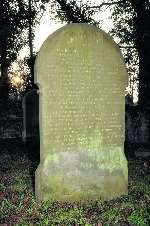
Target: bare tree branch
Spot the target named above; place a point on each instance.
(127, 47)
(104, 4)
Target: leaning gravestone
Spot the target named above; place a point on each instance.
(82, 80)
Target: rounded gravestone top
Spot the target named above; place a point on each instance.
(79, 40)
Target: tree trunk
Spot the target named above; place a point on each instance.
(142, 28)
(4, 66)
(31, 63)
(4, 87)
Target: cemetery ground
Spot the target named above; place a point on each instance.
(19, 206)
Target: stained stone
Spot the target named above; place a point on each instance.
(82, 80)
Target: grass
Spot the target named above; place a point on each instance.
(20, 208)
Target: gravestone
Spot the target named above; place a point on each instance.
(82, 80)
(137, 142)
(30, 133)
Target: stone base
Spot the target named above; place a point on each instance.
(77, 176)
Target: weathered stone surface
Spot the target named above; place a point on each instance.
(82, 80)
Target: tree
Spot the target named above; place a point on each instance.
(71, 11)
(141, 21)
(122, 16)
(13, 21)
(17, 16)
(35, 12)
(17, 22)
(132, 27)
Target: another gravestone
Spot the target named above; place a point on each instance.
(82, 81)
(31, 123)
(30, 133)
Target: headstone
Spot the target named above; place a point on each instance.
(30, 133)
(82, 81)
(10, 119)
(137, 129)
